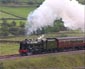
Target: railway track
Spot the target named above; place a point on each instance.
(15, 56)
(9, 56)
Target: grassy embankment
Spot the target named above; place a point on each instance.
(62, 61)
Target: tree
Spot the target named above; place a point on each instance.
(22, 24)
(14, 30)
(4, 28)
(17, 30)
(13, 23)
(57, 26)
(81, 1)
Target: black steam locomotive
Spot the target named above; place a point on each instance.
(49, 45)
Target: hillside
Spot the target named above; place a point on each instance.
(82, 1)
(15, 12)
(20, 2)
(28, 1)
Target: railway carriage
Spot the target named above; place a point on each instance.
(66, 43)
(52, 45)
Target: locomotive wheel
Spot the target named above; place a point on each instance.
(29, 53)
(23, 54)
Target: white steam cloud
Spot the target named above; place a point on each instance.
(71, 12)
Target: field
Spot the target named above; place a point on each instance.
(62, 61)
(7, 16)
(8, 48)
(58, 34)
(34, 1)
(19, 11)
(30, 0)
(15, 12)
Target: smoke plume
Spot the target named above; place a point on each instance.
(71, 12)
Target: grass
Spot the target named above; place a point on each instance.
(46, 62)
(8, 48)
(58, 34)
(19, 11)
(30, 0)
(2, 15)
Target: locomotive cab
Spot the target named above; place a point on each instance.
(51, 45)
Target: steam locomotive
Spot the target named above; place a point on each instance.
(50, 45)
